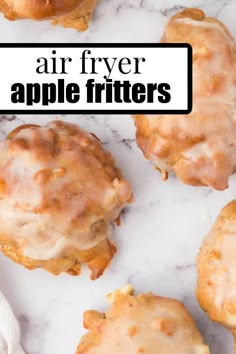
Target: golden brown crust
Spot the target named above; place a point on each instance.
(200, 147)
(67, 13)
(97, 259)
(141, 324)
(79, 18)
(59, 191)
(216, 265)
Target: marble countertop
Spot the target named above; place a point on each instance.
(160, 233)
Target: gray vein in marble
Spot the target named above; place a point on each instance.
(169, 12)
(185, 267)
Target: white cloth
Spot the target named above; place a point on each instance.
(9, 329)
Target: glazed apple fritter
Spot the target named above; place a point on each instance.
(145, 323)
(200, 148)
(59, 192)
